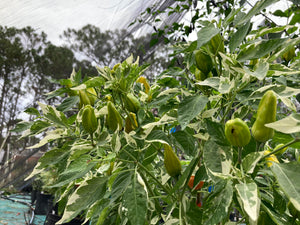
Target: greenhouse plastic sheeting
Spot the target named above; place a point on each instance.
(15, 208)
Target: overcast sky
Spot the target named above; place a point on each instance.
(55, 16)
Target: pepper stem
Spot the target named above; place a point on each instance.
(240, 155)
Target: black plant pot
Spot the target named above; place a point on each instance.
(51, 219)
(33, 195)
(43, 203)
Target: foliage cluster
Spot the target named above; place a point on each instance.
(117, 176)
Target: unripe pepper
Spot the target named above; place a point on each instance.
(131, 103)
(130, 122)
(171, 161)
(201, 76)
(203, 61)
(281, 151)
(92, 95)
(84, 99)
(87, 97)
(89, 120)
(237, 132)
(290, 54)
(113, 118)
(266, 113)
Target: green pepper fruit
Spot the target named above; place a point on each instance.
(84, 99)
(281, 151)
(113, 118)
(92, 95)
(171, 161)
(203, 61)
(131, 103)
(289, 55)
(237, 132)
(130, 122)
(201, 76)
(89, 120)
(87, 97)
(266, 113)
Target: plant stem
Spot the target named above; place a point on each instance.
(279, 149)
(151, 192)
(92, 139)
(192, 169)
(240, 155)
(150, 174)
(228, 108)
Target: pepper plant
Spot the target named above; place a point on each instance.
(152, 145)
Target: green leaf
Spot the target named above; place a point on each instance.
(280, 13)
(286, 45)
(225, 85)
(260, 49)
(287, 175)
(260, 5)
(213, 82)
(189, 108)
(157, 136)
(260, 71)
(193, 213)
(50, 136)
(217, 159)
(217, 132)
(287, 125)
(54, 156)
(98, 211)
(219, 204)
(94, 82)
(58, 92)
(164, 96)
(32, 111)
(285, 138)
(153, 42)
(273, 217)
(76, 169)
(39, 126)
(84, 196)
(229, 19)
(186, 142)
(250, 161)
(75, 78)
(150, 155)
(249, 197)
(267, 30)
(238, 36)
(135, 201)
(205, 34)
(120, 184)
(169, 81)
(22, 126)
(68, 103)
(54, 115)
